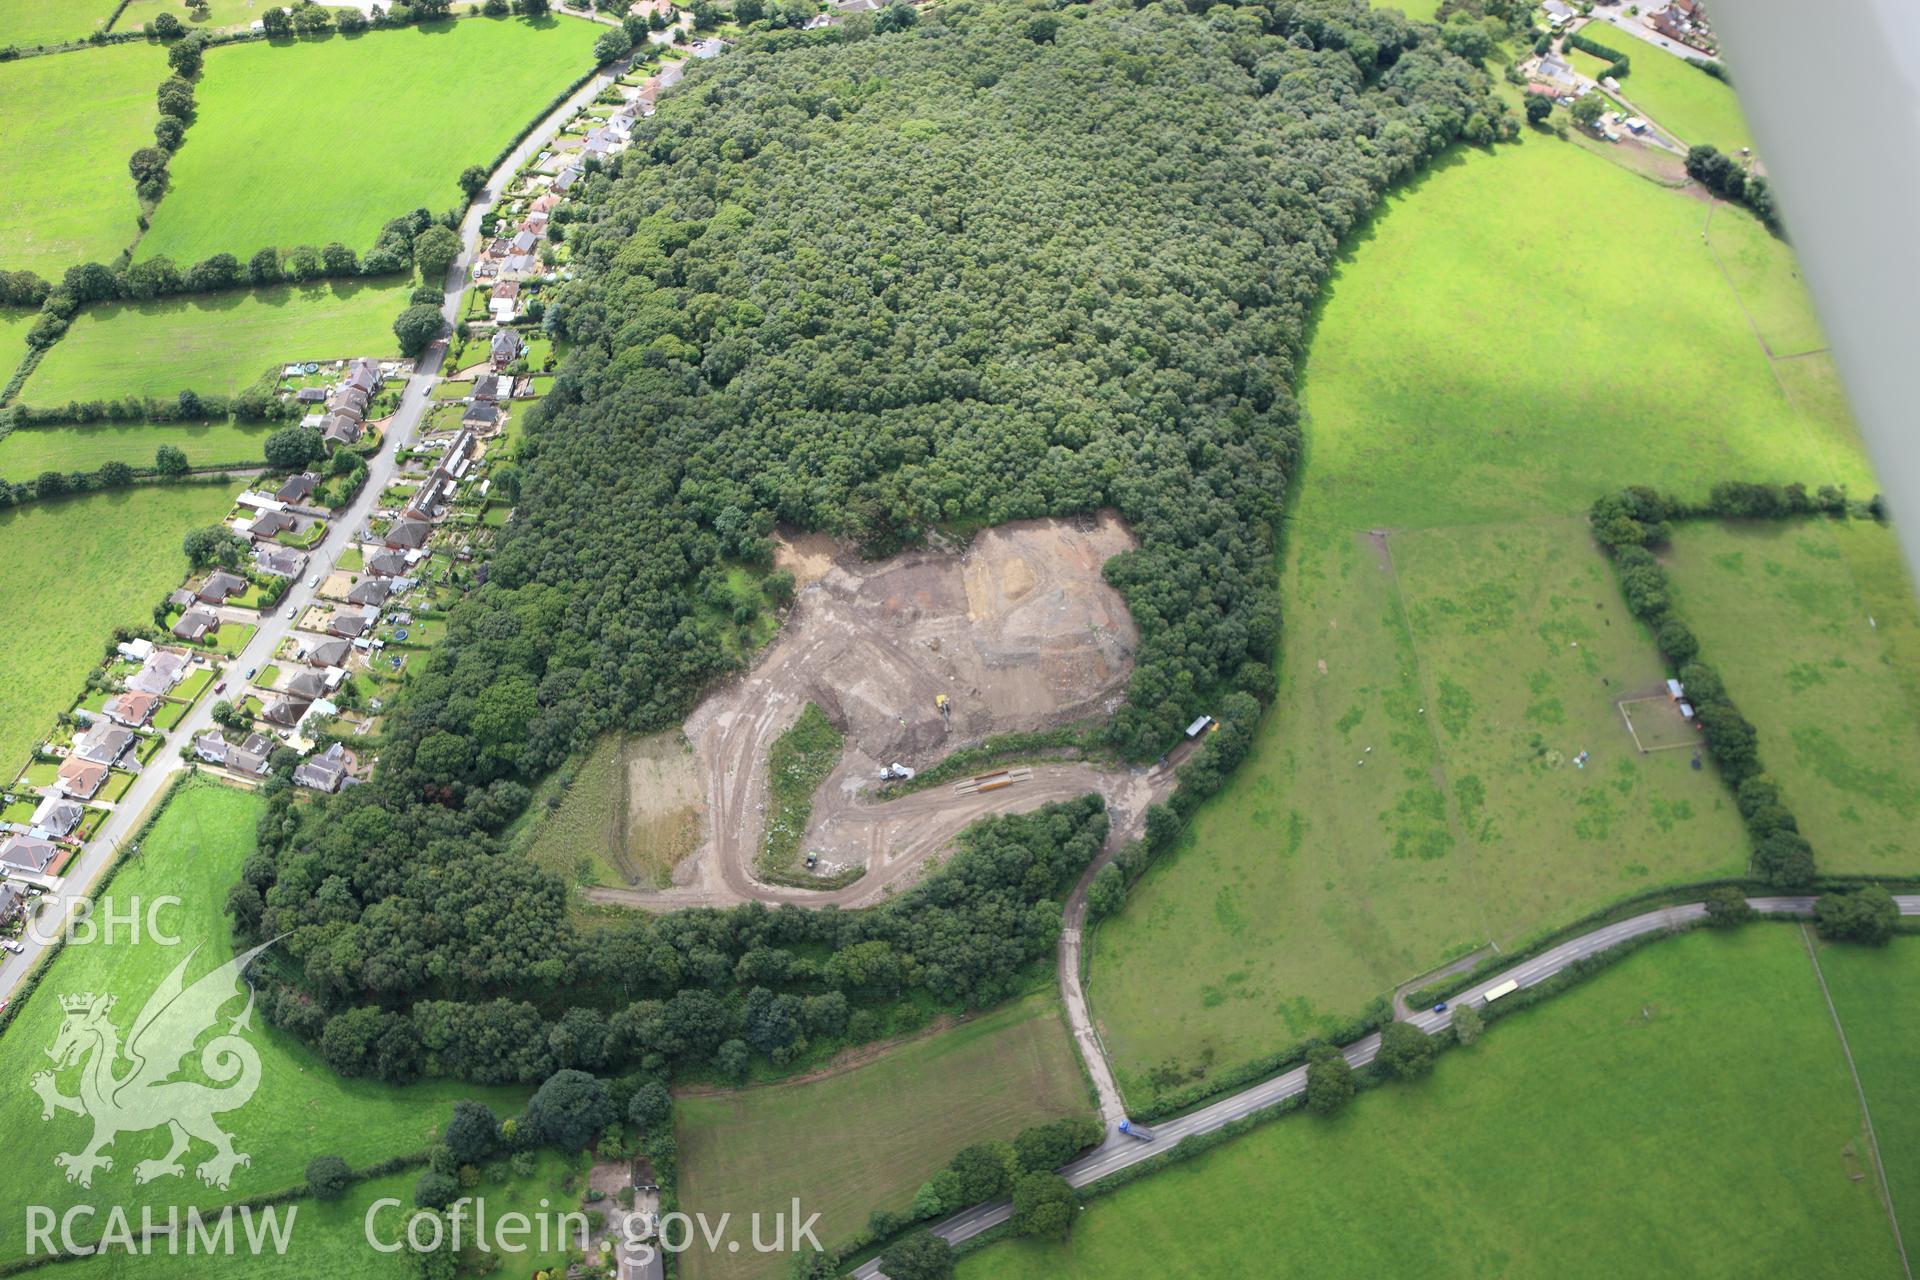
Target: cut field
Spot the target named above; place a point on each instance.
(69, 125)
(220, 14)
(213, 343)
(866, 1138)
(1695, 106)
(78, 568)
(301, 1109)
(266, 164)
(14, 323)
(26, 23)
(27, 451)
(1813, 626)
(1686, 1112)
(1445, 607)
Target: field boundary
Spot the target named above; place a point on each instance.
(1859, 1091)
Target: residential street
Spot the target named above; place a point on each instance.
(1119, 1151)
(86, 868)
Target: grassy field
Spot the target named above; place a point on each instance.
(78, 568)
(26, 23)
(797, 765)
(1694, 105)
(27, 451)
(69, 125)
(1467, 397)
(301, 1108)
(14, 323)
(1814, 628)
(213, 343)
(1872, 989)
(1686, 1112)
(265, 163)
(328, 1239)
(220, 14)
(867, 1138)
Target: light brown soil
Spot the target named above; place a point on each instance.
(1021, 632)
(664, 803)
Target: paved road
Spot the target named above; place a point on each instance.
(1634, 27)
(84, 872)
(1118, 1152)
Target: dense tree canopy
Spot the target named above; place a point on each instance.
(965, 272)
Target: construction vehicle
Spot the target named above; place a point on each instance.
(1199, 726)
(1138, 1132)
(944, 707)
(895, 772)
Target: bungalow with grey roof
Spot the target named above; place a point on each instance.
(159, 673)
(103, 743)
(480, 415)
(350, 625)
(310, 395)
(269, 523)
(285, 711)
(340, 429)
(329, 653)
(30, 854)
(57, 816)
(282, 562)
(250, 757)
(407, 534)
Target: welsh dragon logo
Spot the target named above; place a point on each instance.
(147, 1095)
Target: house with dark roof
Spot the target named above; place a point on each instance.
(351, 625)
(57, 816)
(491, 386)
(80, 779)
(268, 523)
(370, 591)
(310, 395)
(564, 180)
(11, 902)
(196, 624)
(329, 653)
(297, 489)
(405, 535)
(524, 242)
(306, 686)
(220, 586)
(325, 771)
(285, 711)
(386, 564)
(30, 854)
(480, 415)
(130, 709)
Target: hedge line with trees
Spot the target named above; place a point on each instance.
(1727, 178)
(1627, 524)
(1089, 289)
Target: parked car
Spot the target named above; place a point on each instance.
(252, 672)
(314, 581)
(13, 945)
(293, 613)
(220, 686)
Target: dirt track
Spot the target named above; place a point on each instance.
(1021, 633)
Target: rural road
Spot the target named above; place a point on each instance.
(1119, 1152)
(93, 860)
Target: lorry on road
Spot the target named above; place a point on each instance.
(1136, 1131)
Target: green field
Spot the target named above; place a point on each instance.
(867, 1138)
(14, 323)
(1466, 398)
(301, 1108)
(1872, 988)
(1813, 626)
(1686, 1112)
(328, 140)
(1688, 101)
(70, 123)
(328, 1240)
(27, 451)
(213, 343)
(78, 568)
(26, 23)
